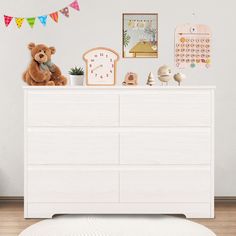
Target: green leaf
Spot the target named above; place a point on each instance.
(126, 38)
(76, 71)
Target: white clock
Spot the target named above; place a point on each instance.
(101, 66)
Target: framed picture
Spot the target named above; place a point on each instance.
(101, 66)
(140, 35)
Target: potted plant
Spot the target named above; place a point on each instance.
(76, 76)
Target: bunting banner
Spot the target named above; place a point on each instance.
(75, 5)
(7, 20)
(31, 21)
(54, 16)
(42, 18)
(65, 11)
(19, 21)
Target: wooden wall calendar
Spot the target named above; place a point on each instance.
(192, 46)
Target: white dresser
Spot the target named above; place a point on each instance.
(119, 150)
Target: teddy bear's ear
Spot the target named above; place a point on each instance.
(53, 50)
(31, 46)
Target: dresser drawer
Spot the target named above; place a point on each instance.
(166, 146)
(166, 108)
(166, 184)
(72, 185)
(45, 109)
(72, 146)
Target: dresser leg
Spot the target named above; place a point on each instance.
(197, 215)
(38, 215)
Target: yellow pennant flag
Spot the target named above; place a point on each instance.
(19, 22)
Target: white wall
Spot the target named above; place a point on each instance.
(99, 24)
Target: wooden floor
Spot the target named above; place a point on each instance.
(12, 221)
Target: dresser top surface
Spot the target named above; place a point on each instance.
(84, 88)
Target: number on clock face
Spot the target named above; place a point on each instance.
(101, 66)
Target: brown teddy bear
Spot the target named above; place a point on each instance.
(41, 70)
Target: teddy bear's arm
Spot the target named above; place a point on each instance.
(36, 74)
(56, 72)
(57, 77)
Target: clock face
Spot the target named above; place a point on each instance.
(101, 66)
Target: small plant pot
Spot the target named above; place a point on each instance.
(76, 80)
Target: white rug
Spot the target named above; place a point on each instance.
(110, 225)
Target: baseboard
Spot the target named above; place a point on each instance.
(20, 198)
(11, 198)
(225, 199)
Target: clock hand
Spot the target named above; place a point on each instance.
(96, 68)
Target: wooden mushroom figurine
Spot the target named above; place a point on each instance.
(164, 74)
(151, 81)
(179, 77)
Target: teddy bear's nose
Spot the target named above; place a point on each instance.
(41, 55)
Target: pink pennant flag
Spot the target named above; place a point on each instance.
(7, 20)
(65, 11)
(75, 5)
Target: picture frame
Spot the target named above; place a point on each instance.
(140, 35)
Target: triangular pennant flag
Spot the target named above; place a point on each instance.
(54, 16)
(43, 20)
(65, 11)
(75, 5)
(19, 22)
(7, 20)
(31, 21)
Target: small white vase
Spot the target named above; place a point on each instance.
(76, 80)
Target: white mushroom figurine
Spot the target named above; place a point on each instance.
(179, 77)
(164, 74)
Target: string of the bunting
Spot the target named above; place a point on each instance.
(43, 18)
